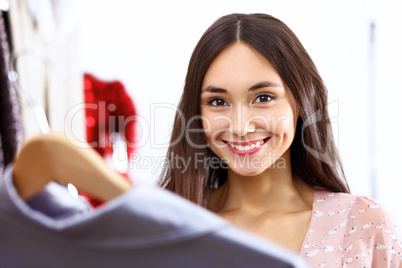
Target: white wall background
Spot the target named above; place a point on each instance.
(147, 46)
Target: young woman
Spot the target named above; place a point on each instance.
(253, 127)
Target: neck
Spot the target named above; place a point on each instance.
(273, 190)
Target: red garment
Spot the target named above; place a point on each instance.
(109, 109)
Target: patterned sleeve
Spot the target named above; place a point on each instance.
(373, 239)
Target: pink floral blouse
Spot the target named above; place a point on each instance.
(351, 231)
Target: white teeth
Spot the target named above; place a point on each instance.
(247, 147)
(239, 147)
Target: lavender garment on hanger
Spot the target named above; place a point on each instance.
(144, 227)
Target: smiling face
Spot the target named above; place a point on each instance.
(249, 114)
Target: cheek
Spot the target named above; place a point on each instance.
(207, 128)
(282, 122)
(206, 124)
(213, 126)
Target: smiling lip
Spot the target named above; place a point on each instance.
(244, 148)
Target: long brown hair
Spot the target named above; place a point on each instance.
(314, 156)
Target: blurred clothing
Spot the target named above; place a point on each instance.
(144, 227)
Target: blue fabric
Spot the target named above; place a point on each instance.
(144, 227)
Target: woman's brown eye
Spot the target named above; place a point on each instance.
(263, 98)
(217, 102)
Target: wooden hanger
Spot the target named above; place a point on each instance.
(52, 157)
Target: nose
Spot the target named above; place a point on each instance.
(242, 121)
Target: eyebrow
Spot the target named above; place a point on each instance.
(213, 89)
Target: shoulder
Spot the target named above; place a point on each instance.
(362, 205)
(360, 211)
(369, 230)
(358, 207)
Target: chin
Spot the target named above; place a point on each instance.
(249, 172)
